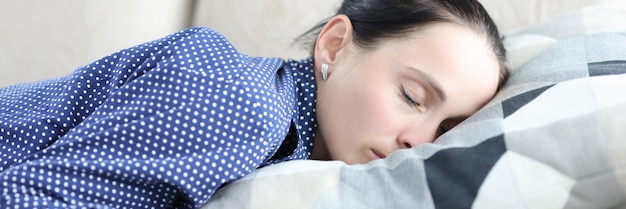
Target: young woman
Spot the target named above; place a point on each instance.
(166, 123)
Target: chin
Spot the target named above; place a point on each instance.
(351, 159)
(355, 161)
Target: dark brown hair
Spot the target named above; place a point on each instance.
(375, 21)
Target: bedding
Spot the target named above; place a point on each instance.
(552, 138)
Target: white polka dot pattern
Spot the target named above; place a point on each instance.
(163, 124)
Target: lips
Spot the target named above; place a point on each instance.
(378, 155)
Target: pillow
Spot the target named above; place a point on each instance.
(552, 138)
(523, 44)
(523, 47)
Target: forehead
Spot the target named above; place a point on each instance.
(458, 58)
(449, 37)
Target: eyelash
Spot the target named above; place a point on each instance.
(409, 101)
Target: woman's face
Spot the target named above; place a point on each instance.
(401, 94)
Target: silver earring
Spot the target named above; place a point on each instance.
(324, 71)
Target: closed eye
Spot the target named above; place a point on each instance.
(408, 99)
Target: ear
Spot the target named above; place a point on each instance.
(334, 37)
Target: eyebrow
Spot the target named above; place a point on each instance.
(430, 81)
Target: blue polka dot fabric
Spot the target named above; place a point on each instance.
(159, 125)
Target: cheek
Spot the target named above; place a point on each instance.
(374, 109)
(360, 111)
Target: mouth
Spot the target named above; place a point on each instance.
(378, 155)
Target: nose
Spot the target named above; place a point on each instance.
(417, 134)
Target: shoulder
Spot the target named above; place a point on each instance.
(203, 34)
(199, 65)
(206, 51)
(240, 90)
